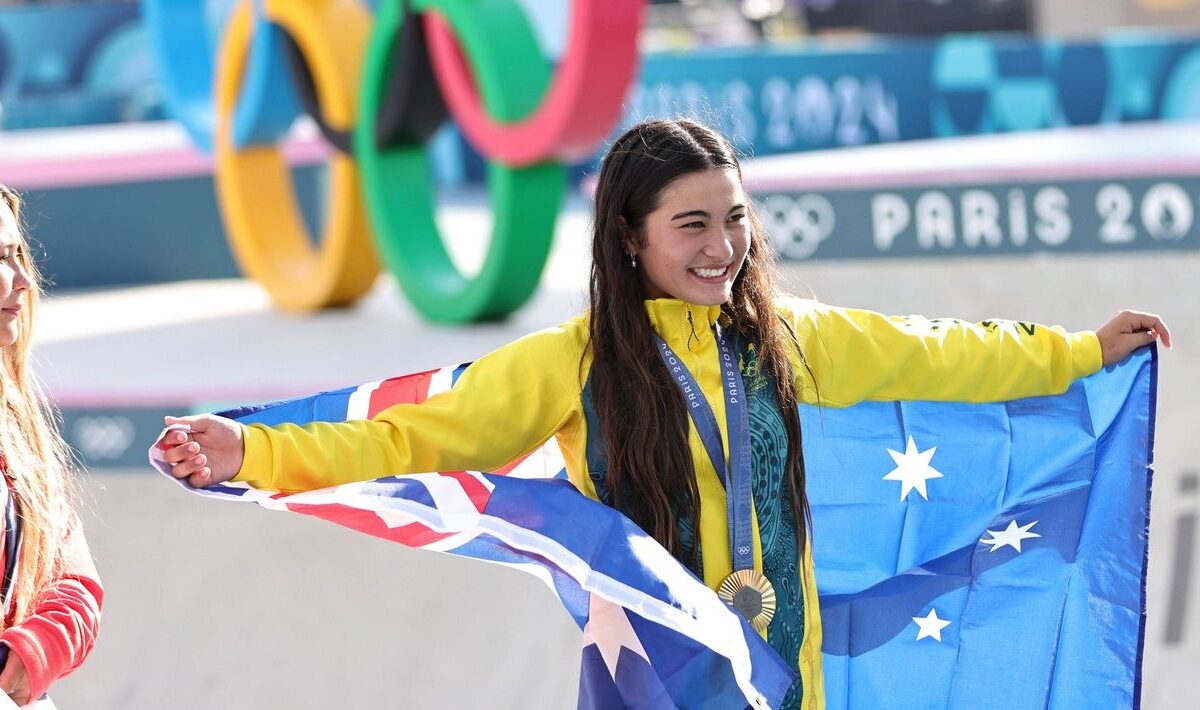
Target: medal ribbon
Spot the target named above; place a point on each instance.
(736, 474)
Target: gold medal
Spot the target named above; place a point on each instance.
(751, 595)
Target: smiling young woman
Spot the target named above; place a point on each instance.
(674, 397)
(51, 591)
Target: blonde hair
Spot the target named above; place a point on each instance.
(39, 468)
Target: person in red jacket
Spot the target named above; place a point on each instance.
(50, 591)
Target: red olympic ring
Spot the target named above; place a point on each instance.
(581, 105)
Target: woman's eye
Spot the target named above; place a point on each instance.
(694, 225)
(738, 218)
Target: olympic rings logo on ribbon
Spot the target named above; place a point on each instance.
(379, 87)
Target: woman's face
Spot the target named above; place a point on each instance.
(14, 280)
(697, 239)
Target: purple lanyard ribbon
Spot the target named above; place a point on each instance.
(736, 474)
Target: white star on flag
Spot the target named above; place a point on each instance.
(913, 469)
(609, 628)
(1011, 536)
(930, 626)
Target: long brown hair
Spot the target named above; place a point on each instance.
(38, 460)
(651, 474)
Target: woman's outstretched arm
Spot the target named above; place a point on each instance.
(504, 405)
(856, 355)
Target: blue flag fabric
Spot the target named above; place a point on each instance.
(985, 555)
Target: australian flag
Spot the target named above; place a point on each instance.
(968, 555)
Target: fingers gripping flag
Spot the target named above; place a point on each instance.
(654, 636)
(968, 555)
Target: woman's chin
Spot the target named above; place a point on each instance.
(9, 334)
(708, 296)
(695, 291)
(707, 299)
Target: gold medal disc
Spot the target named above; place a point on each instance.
(750, 594)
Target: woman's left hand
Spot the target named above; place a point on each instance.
(14, 680)
(1128, 331)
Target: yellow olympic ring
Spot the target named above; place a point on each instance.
(266, 227)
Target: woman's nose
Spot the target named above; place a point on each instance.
(720, 246)
(21, 280)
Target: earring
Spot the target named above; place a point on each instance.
(633, 260)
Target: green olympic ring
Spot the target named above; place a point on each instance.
(513, 76)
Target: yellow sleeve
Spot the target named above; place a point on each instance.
(857, 355)
(504, 405)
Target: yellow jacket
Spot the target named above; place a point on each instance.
(514, 399)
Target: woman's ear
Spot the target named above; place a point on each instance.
(629, 240)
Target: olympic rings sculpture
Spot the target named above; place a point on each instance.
(379, 85)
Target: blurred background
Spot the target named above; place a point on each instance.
(1031, 159)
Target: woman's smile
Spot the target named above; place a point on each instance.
(710, 274)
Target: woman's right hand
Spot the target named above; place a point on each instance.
(204, 449)
(1128, 331)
